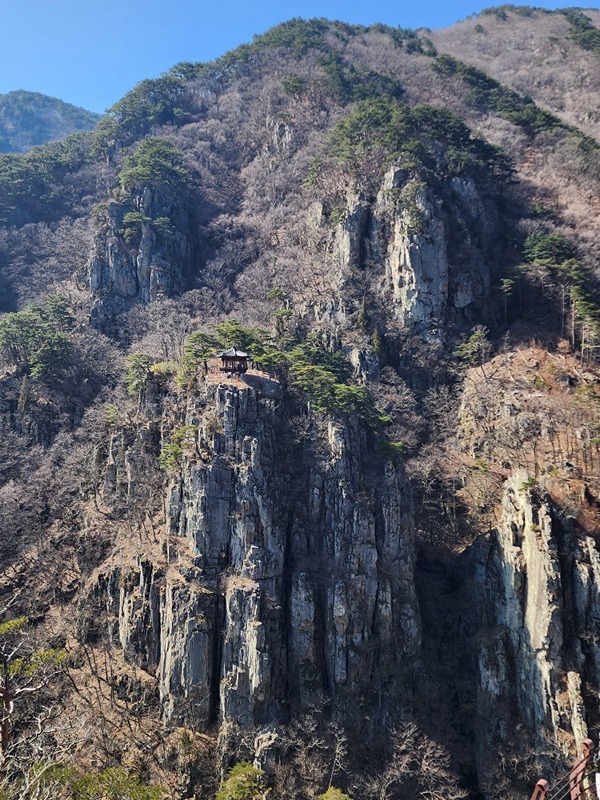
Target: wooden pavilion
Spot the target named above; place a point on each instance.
(234, 361)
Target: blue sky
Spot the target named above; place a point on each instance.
(90, 52)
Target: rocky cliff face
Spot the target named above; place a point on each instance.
(414, 251)
(291, 579)
(407, 234)
(139, 262)
(538, 587)
(290, 583)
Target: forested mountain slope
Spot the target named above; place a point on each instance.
(371, 561)
(507, 41)
(28, 119)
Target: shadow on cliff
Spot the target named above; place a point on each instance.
(481, 689)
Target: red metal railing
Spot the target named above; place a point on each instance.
(577, 784)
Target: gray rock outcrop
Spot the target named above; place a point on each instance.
(147, 266)
(538, 589)
(291, 576)
(408, 235)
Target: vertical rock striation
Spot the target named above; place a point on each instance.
(431, 249)
(292, 583)
(144, 266)
(414, 253)
(538, 589)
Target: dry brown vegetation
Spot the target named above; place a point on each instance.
(536, 411)
(506, 48)
(269, 243)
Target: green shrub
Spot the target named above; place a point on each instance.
(323, 389)
(501, 12)
(313, 351)
(476, 350)
(172, 450)
(111, 415)
(138, 372)
(548, 248)
(405, 38)
(163, 227)
(583, 31)
(348, 83)
(135, 218)
(294, 85)
(333, 794)
(155, 163)
(392, 450)
(32, 185)
(557, 253)
(13, 626)
(528, 485)
(152, 102)
(244, 782)
(298, 35)
(112, 783)
(198, 348)
(36, 338)
(232, 333)
(408, 201)
(498, 11)
(313, 172)
(275, 362)
(132, 221)
(338, 215)
(164, 369)
(412, 137)
(315, 382)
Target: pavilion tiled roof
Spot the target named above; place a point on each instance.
(233, 353)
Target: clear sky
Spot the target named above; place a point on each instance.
(90, 52)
